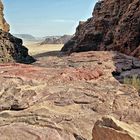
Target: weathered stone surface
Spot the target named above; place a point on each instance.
(108, 128)
(3, 24)
(114, 26)
(63, 96)
(22, 131)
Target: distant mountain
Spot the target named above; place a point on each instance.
(52, 37)
(56, 39)
(26, 37)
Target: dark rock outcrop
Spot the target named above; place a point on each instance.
(115, 25)
(12, 50)
(57, 40)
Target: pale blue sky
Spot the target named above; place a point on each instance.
(46, 17)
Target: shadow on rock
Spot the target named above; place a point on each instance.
(50, 53)
(127, 70)
(12, 50)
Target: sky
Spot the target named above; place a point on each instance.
(46, 17)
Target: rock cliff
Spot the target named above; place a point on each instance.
(3, 24)
(11, 48)
(115, 25)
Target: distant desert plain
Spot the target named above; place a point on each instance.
(35, 48)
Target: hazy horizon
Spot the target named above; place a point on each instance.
(48, 17)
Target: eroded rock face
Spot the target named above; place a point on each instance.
(12, 50)
(115, 25)
(61, 97)
(108, 128)
(3, 24)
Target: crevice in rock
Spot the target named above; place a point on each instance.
(16, 108)
(78, 137)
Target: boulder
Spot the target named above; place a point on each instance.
(108, 128)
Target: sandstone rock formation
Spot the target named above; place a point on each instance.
(3, 24)
(61, 40)
(61, 97)
(108, 128)
(11, 48)
(114, 26)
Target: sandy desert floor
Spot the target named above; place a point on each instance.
(35, 48)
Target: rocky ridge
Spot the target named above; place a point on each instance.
(113, 26)
(57, 40)
(26, 37)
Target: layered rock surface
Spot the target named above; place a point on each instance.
(114, 26)
(61, 97)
